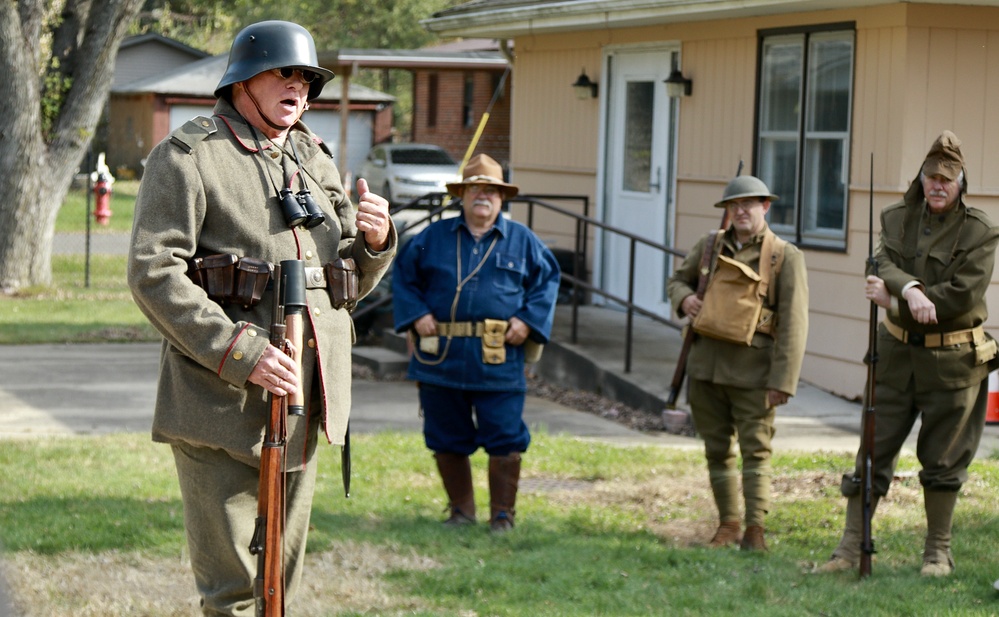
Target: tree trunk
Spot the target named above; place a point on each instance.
(41, 152)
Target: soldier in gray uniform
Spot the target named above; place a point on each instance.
(222, 189)
(736, 385)
(934, 258)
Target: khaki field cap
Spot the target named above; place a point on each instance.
(745, 186)
(482, 169)
(944, 158)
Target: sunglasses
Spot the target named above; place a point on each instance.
(305, 75)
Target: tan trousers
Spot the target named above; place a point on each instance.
(220, 509)
(724, 416)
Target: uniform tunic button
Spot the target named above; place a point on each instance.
(308, 254)
(251, 333)
(927, 231)
(237, 355)
(316, 311)
(919, 253)
(509, 264)
(312, 343)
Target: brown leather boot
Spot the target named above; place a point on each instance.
(504, 479)
(456, 472)
(728, 533)
(753, 540)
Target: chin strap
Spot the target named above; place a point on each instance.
(263, 116)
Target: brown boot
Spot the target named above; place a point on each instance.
(937, 560)
(846, 556)
(504, 478)
(753, 540)
(456, 472)
(729, 532)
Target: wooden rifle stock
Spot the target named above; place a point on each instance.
(688, 336)
(867, 436)
(268, 534)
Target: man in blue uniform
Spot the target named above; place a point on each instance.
(477, 291)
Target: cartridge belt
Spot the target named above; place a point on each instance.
(935, 339)
(461, 328)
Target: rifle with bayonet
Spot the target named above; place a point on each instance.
(688, 338)
(867, 433)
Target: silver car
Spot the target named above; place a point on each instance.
(403, 172)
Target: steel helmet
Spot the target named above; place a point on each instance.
(745, 186)
(273, 45)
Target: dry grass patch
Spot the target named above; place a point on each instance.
(348, 577)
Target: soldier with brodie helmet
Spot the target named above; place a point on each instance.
(740, 374)
(250, 184)
(934, 258)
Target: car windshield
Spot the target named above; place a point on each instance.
(421, 156)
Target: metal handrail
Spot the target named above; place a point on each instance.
(436, 205)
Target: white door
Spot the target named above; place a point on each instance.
(638, 176)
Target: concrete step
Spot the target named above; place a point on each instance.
(394, 341)
(385, 363)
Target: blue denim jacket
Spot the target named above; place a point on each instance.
(520, 278)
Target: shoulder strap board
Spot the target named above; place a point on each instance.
(324, 147)
(193, 132)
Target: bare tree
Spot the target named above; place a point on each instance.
(57, 59)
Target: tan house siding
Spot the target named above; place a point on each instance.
(919, 69)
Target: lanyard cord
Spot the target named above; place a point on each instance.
(454, 302)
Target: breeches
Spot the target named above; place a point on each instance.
(724, 415)
(220, 510)
(462, 421)
(951, 428)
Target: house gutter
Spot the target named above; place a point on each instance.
(576, 15)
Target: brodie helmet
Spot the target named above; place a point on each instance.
(272, 45)
(745, 186)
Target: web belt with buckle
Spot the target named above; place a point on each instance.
(935, 339)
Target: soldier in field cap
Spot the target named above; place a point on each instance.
(478, 291)
(934, 265)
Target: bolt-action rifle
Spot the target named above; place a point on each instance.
(268, 534)
(867, 436)
(688, 338)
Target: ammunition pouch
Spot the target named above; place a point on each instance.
(494, 341)
(342, 283)
(229, 279)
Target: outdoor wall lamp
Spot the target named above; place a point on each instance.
(677, 85)
(585, 89)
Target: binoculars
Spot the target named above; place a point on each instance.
(300, 209)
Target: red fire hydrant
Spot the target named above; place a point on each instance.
(102, 197)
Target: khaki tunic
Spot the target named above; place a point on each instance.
(952, 255)
(212, 187)
(772, 363)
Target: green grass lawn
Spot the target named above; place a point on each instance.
(73, 214)
(602, 530)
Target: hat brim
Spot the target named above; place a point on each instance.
(722, 204)
(457, 188)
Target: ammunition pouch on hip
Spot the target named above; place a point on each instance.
(229, 279)
(342, 282)
(494, 341)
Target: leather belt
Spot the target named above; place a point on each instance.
(315, 278)
(935, 339)
(461, 328)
